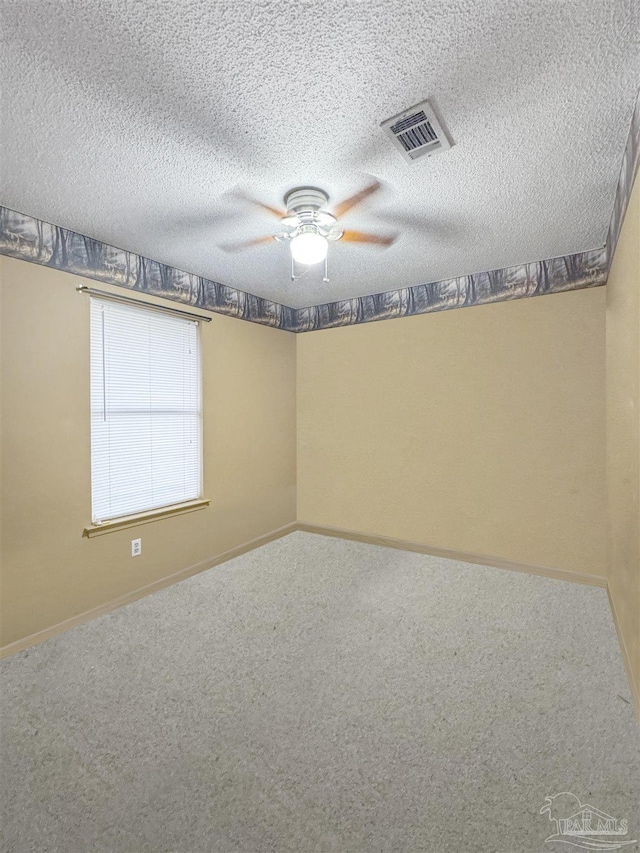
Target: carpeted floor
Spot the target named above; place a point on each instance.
(322, 695)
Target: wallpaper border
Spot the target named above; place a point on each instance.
(30, 239)
(555, 275)
(570, 272)
(628, 172)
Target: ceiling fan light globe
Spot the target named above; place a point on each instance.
(309, 248)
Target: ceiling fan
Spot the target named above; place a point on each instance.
(309, 227)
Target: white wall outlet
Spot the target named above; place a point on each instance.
(136, 547)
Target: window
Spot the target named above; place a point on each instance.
(146, 445)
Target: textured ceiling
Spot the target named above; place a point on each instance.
(131, 122)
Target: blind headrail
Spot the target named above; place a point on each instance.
(116, 297)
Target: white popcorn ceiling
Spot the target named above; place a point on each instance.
(130, 122)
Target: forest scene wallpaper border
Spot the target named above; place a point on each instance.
(30, 239)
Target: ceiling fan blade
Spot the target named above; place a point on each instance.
(431, 227)
(360, 237)
(246, 244)
(353, 200)
(274, 211)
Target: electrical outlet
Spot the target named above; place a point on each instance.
(136, 547)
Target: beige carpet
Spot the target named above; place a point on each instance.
(322, 695)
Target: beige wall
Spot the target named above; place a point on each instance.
(623, 435)
(49, 571)
(480, 430)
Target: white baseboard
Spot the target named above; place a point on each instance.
(141, 592)
(385, 541)
(631, 675)
(495, 562)
(461, 556)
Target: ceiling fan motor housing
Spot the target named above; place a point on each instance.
(305, 210)
(305, 200)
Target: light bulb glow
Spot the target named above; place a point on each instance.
(309, 248)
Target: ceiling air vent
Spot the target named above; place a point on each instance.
(417, 132)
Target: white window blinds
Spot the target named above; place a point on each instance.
(145, 410)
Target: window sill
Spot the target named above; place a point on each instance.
(144, 517)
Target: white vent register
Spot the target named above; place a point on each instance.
(416, 132)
